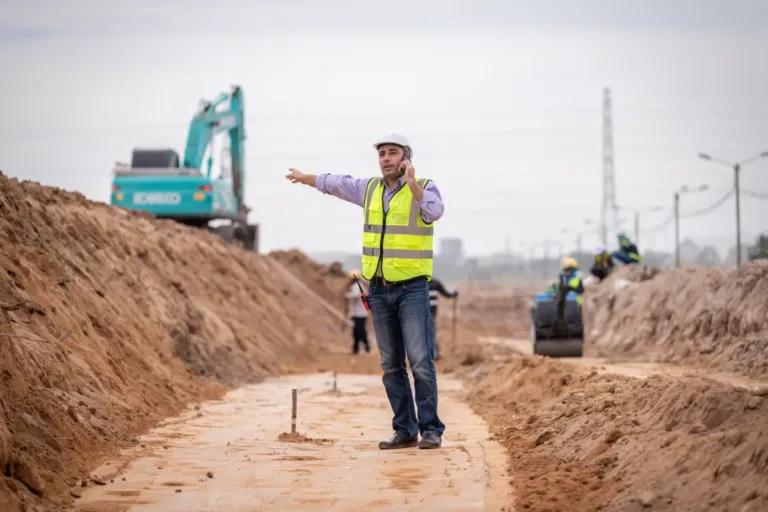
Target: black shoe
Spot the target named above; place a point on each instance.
(430, 440)
(399, 440)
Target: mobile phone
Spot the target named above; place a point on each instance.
(401, 167)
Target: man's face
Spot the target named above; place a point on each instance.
(390, 157)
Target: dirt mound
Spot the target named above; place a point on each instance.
(110, 321)
(328, 281)
(579, 440)
(709, 316)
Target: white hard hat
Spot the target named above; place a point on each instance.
(395, 138)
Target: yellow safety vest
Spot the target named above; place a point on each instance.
(405, 249)
(574, 283)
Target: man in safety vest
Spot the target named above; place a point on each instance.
(399, 212)
(570, 279)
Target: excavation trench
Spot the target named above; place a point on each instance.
(229, 455)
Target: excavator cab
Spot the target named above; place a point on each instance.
(557, 328)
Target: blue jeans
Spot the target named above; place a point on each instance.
(433, 332)
(402, 325)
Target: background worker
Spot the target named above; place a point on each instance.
(603, 264)
(399, 213)
(627, 253)
(569, 278)
(435, 287)
(355, 311)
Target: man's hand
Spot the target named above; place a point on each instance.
(410, 171)
(296, 176)
(410, 180)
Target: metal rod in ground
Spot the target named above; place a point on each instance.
(293, 412)
(453, 328)
(334, 381)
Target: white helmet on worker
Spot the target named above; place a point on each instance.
(398, 140)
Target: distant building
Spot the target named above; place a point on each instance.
(451, 250)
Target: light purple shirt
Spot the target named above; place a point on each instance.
(352, 190)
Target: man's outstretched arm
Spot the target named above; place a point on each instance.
(342, 186)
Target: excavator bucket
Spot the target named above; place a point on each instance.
(556, 325)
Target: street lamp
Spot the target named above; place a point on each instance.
(736, 168)
(685, 189)
(637, 218)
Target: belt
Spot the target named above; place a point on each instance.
(380, 281)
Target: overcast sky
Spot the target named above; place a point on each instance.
(501, 101)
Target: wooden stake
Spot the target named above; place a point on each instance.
(293, 413)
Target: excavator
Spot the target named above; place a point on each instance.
(158, 182)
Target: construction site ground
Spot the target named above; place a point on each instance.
(149, 366)
(238, 453)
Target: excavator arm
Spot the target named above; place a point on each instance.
(183, 188)
(207, 123)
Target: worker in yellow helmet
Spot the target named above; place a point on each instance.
(356, 312)
(569, 278)
(399, 212)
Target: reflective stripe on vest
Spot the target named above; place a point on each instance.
(406, 240)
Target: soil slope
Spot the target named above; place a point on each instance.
(583, 441)
(703, 316)
(110, 321)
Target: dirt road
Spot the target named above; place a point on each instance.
(339, 466)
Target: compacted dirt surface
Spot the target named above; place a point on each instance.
(238, 453)
(148, 366)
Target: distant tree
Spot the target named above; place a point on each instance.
(760, 249)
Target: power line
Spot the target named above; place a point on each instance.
(714, 206)
(756, 195)
(660, 226)
(709, 209)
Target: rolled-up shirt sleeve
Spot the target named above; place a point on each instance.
(431, 205)
(343, 186)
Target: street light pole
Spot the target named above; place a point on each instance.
(677, 229)
(637, 228)
(682, 190)
(736, 170)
